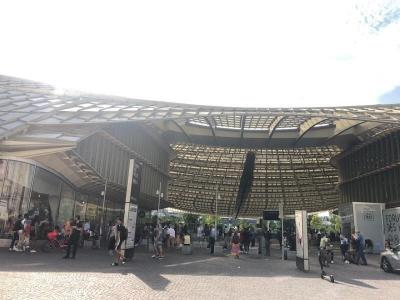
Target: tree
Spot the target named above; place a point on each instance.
(190, 218)
(336, 223)
(243, 223)
(316, 222)
(210, 219)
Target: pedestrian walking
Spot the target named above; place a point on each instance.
(235, 245)
(360, 244)
(122, 234)
(267, 236)
(171, 237)
(227, 237)
(112, 233)
(73, 240)
(344, 246)
(246, 240)
(158, 249)
(16, 227)
(213, 236)
(24, 234)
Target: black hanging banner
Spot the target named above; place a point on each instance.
(246, 181)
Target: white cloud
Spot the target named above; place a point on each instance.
(247, 53)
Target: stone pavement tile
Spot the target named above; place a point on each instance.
(197, 276)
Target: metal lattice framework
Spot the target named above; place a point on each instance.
(293, 145)
(303, 178)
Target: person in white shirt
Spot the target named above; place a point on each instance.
(200, 233)
(171, 239)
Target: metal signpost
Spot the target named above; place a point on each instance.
(103, 193)
(281, 217)
(216, 210)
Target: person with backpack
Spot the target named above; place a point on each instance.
(17, 226)
(112, 233)
(122, 235)
(344, 246)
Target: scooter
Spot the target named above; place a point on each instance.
(321, 264)
(326, 276)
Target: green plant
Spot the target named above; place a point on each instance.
(210, 219)
(190, 218)
(316, 222)
(336, 223)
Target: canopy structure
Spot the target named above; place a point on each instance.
(293, 146)
(302, 178)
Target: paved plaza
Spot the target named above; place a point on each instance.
(197, 276)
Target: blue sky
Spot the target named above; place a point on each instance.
(231, 53)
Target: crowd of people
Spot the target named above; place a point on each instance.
(21, 233)
(233, 239)
(351, 248)
(70, 236)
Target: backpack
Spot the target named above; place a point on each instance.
(18, 225)
(123, 235)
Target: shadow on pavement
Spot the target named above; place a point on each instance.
(154, 272)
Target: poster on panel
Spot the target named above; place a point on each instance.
(302, 262)
(136, 180)
(132, 216)
(391, 225)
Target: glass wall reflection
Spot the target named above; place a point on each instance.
(67, 204)
(49, 200)
(44, 202)
(15, 184)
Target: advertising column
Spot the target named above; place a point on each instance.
(302, 262)
(131, 205)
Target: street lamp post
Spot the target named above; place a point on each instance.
(160, 195)
(103, 193)
(217, 196)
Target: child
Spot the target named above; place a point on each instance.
(235, 245)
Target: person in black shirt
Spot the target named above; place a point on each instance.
(267, 236)
(119, 241)
(17, 226)
(73, 240)
(79, 225)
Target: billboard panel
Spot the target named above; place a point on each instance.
(302, 262)
(391, 225)
(368, 220)
(131, 226)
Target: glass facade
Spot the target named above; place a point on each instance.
(15, 187)
(44, 202)
(48, 199)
